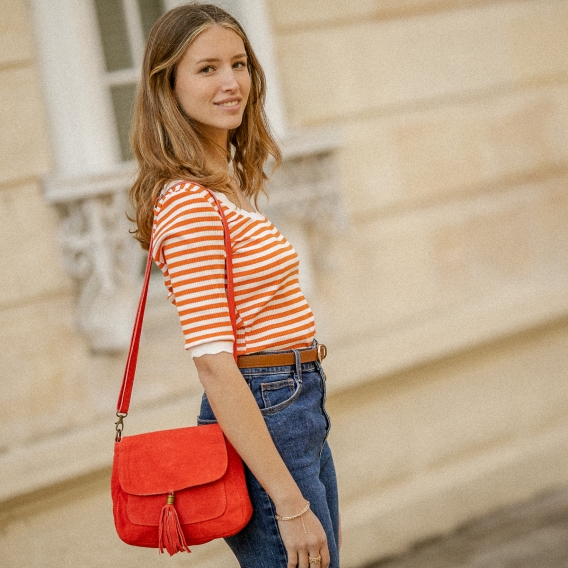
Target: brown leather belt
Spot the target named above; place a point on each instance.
(279, 359)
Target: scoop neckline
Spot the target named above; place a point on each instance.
(230, 205)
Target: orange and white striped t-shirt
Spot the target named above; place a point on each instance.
(188, 246)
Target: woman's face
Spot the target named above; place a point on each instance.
(212, 82)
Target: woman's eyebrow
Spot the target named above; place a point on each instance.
(215, 59)
(207, 60)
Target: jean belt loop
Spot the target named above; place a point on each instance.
(317, 362)
(298, 365)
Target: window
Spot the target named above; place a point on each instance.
(124, 26)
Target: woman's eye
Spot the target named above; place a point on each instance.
(239, 65)
(207, 69)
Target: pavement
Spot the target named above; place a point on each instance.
(530, 535)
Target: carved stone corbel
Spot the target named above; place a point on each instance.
(305, 201)
(105, 262)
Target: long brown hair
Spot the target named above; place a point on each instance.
(168, 145)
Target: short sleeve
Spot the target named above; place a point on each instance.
(188, 246)
(212, 348)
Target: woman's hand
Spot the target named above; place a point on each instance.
(304, 544)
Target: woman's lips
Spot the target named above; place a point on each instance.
(229, 104)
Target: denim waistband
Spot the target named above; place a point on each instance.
(305, 367)
(298, 367)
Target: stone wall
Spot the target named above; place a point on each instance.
(449, 295)
(443, 301)
(35, 294)
(448, 309)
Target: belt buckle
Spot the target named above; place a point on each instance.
(321, 351)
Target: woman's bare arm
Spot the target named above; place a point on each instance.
(238, 415)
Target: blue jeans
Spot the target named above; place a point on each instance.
(292, 401)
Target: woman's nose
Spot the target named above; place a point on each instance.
(229, 81)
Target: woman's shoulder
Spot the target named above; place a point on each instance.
(178, 191)
(182, 205)
(182, 196)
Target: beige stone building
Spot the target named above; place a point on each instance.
(429, 140)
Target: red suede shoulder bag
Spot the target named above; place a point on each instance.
(175, 488)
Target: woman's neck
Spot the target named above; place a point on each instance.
(218, 160)
(216, 157)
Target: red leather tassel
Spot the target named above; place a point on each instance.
(170, 534)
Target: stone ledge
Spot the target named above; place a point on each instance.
(396, 350)
(437, 501)
(63, 189)
(524, 535)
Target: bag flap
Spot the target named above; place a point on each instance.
(171, 460)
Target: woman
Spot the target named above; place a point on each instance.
(199, 123)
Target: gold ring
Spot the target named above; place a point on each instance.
(315, 560)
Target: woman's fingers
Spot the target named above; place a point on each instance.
(292, 560)
(325, 558)
(301, 559)
(322, 555)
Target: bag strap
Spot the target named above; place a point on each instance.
(128, 380)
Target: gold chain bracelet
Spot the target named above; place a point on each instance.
(292, 517)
